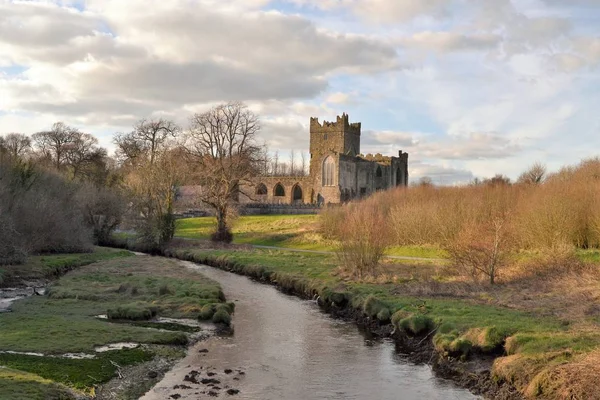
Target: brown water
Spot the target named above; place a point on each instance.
(288, 349)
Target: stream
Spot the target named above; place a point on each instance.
(287, 348)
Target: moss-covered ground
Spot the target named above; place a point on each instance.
(65, 321)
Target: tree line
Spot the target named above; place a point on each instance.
(62, 178)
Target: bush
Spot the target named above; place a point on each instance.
(363, 239)
(417, 324)
(133, 312)
(39, 213)
(221, 316)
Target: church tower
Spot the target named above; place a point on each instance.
(331, 139)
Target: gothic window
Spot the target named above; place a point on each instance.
(279, 191)
(379, 173)
(261, 189)
(329, 172)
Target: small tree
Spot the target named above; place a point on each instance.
(103, 209)
(221, 145)
(481, 248)
(363, 237)
(535, 175)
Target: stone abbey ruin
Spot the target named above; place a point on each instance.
(338, 171)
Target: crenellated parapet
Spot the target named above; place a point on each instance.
(342, 124)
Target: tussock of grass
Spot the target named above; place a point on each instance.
(133, 311)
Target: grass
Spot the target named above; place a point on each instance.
(65, 320)
(51, 266)
(287, 231)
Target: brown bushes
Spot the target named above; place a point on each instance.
(480, 224)
(364, 238)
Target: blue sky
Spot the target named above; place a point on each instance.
(469, 88)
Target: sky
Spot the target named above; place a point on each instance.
(469, 88)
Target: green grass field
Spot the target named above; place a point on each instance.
(286, 231)
(65, 320)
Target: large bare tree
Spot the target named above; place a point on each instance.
(148, 138)
(71, 151)
(17, 145)
(221, 144)
(53, 144)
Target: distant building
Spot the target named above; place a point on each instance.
(338, 171)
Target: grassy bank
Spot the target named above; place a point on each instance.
(130, 290)
(286, 231)
(47, 267)
(533, 340)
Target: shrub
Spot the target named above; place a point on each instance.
(133, 312)
(364, 238)
(417, 324)
(207, 312)
(221, 316)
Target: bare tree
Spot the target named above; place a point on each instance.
(17, 145)
(221, 145)
(293, 163)
(54, 143)
(275, 164)
(147, 138)
(303, 164)
(153, 189)
(83, 156)
(535, 175)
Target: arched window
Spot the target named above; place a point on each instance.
(261, 189)
(329, 172)
(279, 191)
(379, 172)
(297, 195)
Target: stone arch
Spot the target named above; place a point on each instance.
(279, 190)
(261, 189)
(379, 172)
(297, 194)
(328, 171)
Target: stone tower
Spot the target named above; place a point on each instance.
(332, 138)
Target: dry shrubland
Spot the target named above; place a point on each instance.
(481, 226)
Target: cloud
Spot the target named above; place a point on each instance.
(104, 62)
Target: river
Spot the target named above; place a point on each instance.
(287, 348)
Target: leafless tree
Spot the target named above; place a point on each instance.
(54, 143)
(147, 139)
(221, 144)
(71, 151)
(275, 164)
(17, 145)
(303, 164)
(535, 175)
(293, 163)
(153, 188)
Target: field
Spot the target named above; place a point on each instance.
(286, 231)
(128, 289)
